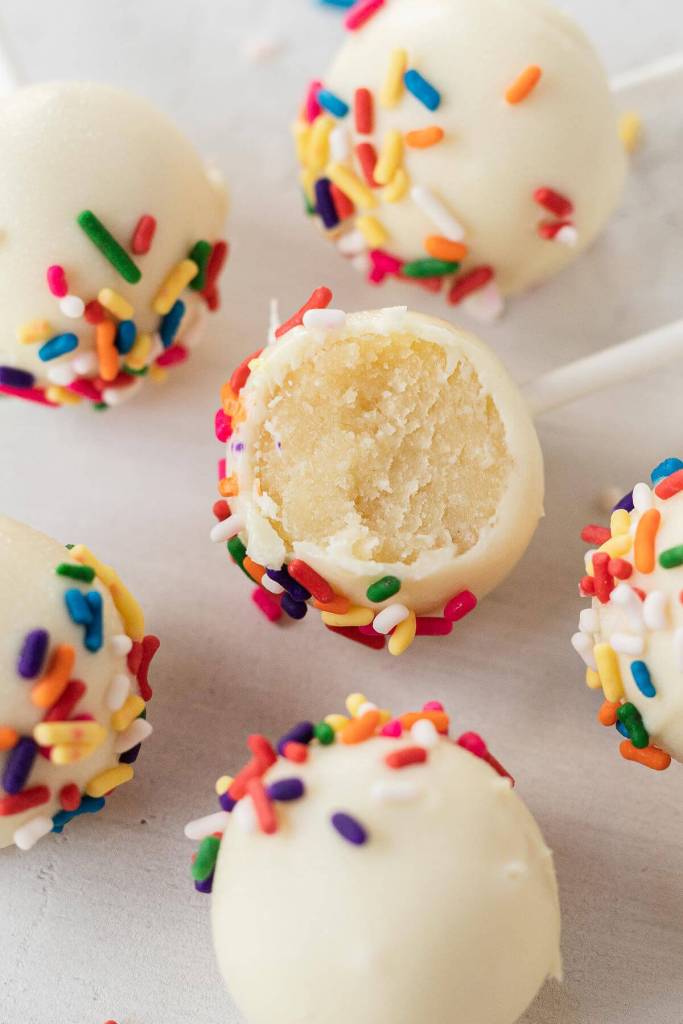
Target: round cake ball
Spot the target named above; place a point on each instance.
(109, 244)
(382, 464)
(381, 853)
(468, 144)
(74, 660)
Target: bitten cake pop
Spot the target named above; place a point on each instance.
(631, 639)
(74, 661)
(381, 852)
(471, 145)
(109, 244)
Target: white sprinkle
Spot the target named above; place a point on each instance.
(72, 306)
(227, 528)
(439, 214)
(84, 363)
(395, 790)
(121, 644)
(486, 304)
(272, 585)
(28, 835)
(568, 235)
(339, 144)
(324, 319)
(654, 610)
(583, 645)
(203, 827)
(273, 320)
(589, 621)
(117, 396)
(118, 691)
(361, 262)
(137, 732)
(389, 617)
(364, 708)
(515, 869)
(678, 648)
(352, 244)
(643, 498)
(62, 375)
(502, 783)
(244, 815)
(424, 734)
(627, 643)
(625, 597)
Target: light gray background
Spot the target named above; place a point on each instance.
(103, 922)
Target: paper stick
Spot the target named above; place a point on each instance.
(11, 77)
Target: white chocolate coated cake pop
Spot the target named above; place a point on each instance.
(383, 464)
(109, 244)
(74, 660)
(377, 870)
(468, 144)
(631, 639)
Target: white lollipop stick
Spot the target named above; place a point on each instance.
(11, 77)
(612, 366)
(671, 65)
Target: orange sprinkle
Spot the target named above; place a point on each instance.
(444, 249)
(255, 570)
(524, 84)
(424, 137)
(50, 688)
(645, 540)
(607, 715)
(105, 336)
(228, 487)
(651, 757)
(360, 729)
(229, 399)
(8, 737)
(440, 719)
(339, 606)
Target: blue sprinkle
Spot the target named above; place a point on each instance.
(295, 609)
(126, 333)
(57, 346)
(131, 756)
(13, 378)
(333, 104)
(324, 203)
(626, 503)
(642, 678)
(78, 607)
(93, 632)
(226, 801)
(338, 3)
(623, 730)
(206, 886)
(89, 805)
(171, 322)
(664, 469)
(422, 90)
(298, 593)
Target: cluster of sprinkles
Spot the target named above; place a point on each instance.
(628, 546)
(68, 734)
(347, 174)
(291, 588)
(111, 371)
(255, 804)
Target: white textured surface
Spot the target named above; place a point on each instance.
(103, 921)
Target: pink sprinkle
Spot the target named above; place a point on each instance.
(432, 626)
(393, 729)
(473, 742)
(361, 12)
(29, 394)
(266, 603)
(460, 606)
(311, 106)
(172, 356)
(56, 281)
(221, 469)
(433, 705)
(223, 426)
(86, 389)
(384, 263)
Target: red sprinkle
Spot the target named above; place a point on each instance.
(367, 158)
(604, 584)
(143, 236)
(70, 797)
(241, 374)
(253, 770)
(469, 283)
(587, 586)
(432, 626)
(460, 606)
(295, 752)
(406, 756)
(267, 603)
(342, 204)
(216, 262)
(148, 648)
(24, 801)
(670, 485)
(361, 12)
(595, 534)
(86, 389)
(311, 580)
(172, 356)
(66, 705)
(265, 812)
(620, 568)
(262, 749)
(554, 201)
(94, 312)
(56, 281)
(550, 229)
(353, 633)
(364, 111)
(320, 299)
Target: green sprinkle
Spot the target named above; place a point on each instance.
(429, 268)
(207, 856)
(672, 557)
(630, 717)
(100, 406)
(200, 253)
(135, 373)
(309, 207)
(238, 553)
(383, 589)
(324, 733)
(76, 572)
(109, 247)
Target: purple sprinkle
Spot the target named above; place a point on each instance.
(295, 609)
(18, 765)
(239, 447)
(13, 378)
(324, 203)
(349, 829)
(286, 789)
(226, 801)
(206, 886)
(303, 732)
(130, 756)
(625, 503)
(298, 593)
(33, 653)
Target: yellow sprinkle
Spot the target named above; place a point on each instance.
(619, 546)
(393, 86)
(129, 610)
(105, 573)
(372, 231)
(48, 734)
(620, 522)
(384, 716)
(158, 373)
(116, 304)
(397, 187)
(139, 354)
(610, 674)
(223, 784)
(302, 134)
(592, 679)
(631, 131)
(72, 753)
(318, 149)
(126, 715)
(336, 721)
(354, 702)
(356, 616)
(175, 283)
(33, 331)
(61, 396)
(389, 158)
(403, 635)
(352, 186)
(106, 781)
